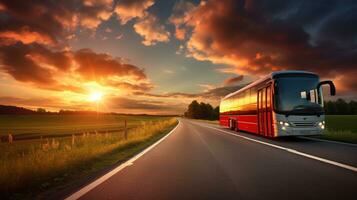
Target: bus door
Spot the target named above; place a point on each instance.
(265, 111)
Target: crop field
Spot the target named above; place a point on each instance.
(32, 126)
(44, 164)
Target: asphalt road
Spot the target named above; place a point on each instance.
(200, 161)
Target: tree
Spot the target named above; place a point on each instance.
(341, 107)
(201, 111)
(41, 110)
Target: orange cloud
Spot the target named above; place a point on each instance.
(151, 30)
(66, 70)
(130, 9)
(26, 36)
(253, 38)
(233, 80)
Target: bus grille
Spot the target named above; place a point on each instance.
(303, 124)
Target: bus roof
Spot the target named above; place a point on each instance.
(267, 77)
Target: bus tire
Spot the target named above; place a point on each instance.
(232, 124)
(236, 126)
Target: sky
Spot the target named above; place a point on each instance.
(156, 56)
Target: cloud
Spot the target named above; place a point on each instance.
(207, 87)
(180, 17)
(93, 12)
(168, 71)
(147, 106)
(132, 86)
(151, 30)
(24, 35)
(118, 37)
(256, 37)
(108, 30)
(26, 63)
(130, 9)
(233, 80)
(96, 66)
(63, 70)
(211, 94)
(49, 22)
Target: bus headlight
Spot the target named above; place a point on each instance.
(283, 125)
(322, 124)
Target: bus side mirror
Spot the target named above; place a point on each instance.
(330, 83)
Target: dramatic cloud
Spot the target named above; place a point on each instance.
(95, 66)
(33, 63)
(211, 94)
(151, 30)
(130, 9)
(132, 86)
(146, 106)
(257, 37)
(93, 12)
(49, 22)
(179, 17)
(233, 80)
(45, 68)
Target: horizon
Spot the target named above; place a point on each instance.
(155, 57)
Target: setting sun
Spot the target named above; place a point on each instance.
(95, 96)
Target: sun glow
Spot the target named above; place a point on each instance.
(95, 96)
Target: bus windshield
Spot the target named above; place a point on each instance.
(298, 95)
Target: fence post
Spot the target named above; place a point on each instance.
(10, 139)
(72, 140)
(125, 131)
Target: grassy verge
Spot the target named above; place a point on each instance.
(33, 169)
(341, 128)
(52, 125)
(342, 136)
(208, 121)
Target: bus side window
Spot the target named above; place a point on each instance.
(268, 97)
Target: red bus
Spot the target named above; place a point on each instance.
(284, 103)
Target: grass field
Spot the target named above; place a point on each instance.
(24, 126)
(33, 166)
(342, 123)
(339, 127)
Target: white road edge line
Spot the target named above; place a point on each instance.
(329, 141)
(105, 177)
(349, 167)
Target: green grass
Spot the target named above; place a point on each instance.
(341, 123)
(49, 125)
(29, 168)
(341, 128)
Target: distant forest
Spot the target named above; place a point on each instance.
(15, 110)
(340, 107)
(202, 111)
(206, 111)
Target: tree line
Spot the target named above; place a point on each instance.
(340, 107)
(202, 111)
